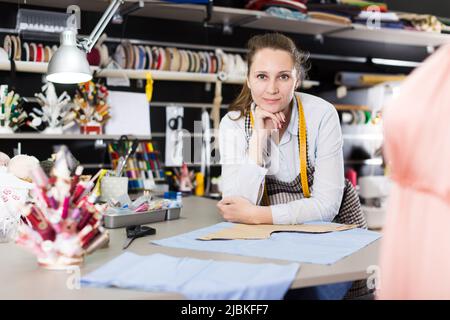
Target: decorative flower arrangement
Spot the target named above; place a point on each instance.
(56, 115)
(12, 115)
(63, 223)
(91, 107)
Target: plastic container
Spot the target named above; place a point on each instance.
(42, 21)
(113, 187)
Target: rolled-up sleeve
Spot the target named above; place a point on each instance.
(241, 176)
(328, 183)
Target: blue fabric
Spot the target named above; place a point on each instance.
(195, 278)
(325, 248)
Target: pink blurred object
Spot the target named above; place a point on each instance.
(415, 252)
(185, 178)
(351, 175)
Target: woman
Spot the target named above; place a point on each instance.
(281, 152)
(250, 168)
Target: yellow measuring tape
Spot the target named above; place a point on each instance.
(301, 148)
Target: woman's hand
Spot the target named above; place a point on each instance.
(240, 210)
(267, 120)
(264, 122)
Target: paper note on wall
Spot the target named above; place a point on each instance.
(130, 114)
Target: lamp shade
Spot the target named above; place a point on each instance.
(68, 64)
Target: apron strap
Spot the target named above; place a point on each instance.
(302, 148)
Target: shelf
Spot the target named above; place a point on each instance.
(393, 36)
(41, 67)
(43, 136)
(261, 20)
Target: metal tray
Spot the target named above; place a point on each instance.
(113, 220)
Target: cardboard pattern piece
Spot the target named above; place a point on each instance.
(263, 231)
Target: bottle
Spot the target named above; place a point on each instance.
(200, 184)
(179, 199)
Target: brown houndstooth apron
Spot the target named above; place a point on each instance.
(279, 192)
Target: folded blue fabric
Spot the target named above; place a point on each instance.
(324, 248)
(195, 278)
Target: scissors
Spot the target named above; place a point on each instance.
(126, 147)
(124, 144)
(176, 122)
(134, 232)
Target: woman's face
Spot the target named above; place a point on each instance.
(272, 79)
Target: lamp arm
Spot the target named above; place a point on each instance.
(88, 43)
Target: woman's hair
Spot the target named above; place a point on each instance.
(275, 41)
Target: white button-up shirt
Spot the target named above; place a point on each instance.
(243, 177)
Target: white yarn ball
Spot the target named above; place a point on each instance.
(21, 166)
(4, 159)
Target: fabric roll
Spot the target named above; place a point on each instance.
(382, 7)
(160, 58)
(359, 79)
(120, 56)
(142, 57)
(155, 58)
(191, 61)
(148, 50)
(7, 45)
(343, 10)
(197, 62)
(184, 61)
(104, 55)
(33, 49)
(166, 60)
(422, 22)
(329, 17)
(130, 55)
(171, 53)
(93, 57)
(264, 4)
(136, 56)
(18, 44)
(47, 53)
(203, 63)
(26, 51)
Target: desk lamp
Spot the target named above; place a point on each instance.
(69, 63)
